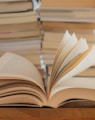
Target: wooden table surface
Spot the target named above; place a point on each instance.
(47, 114)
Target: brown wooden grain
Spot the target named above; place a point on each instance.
(47, 114)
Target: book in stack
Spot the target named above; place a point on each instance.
(20, 30)
(22, 85)
(68, 11)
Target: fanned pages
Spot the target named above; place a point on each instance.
(22, 84)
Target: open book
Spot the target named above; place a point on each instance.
(21, 84)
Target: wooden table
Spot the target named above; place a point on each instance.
(47, 114)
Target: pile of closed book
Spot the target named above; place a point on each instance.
(20, 30)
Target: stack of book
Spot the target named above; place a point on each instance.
(61, 15)
(20, 30)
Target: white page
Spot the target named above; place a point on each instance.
(80, 48)
(76, 82)
(87, 62)
(13, 66)
(68, 46)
